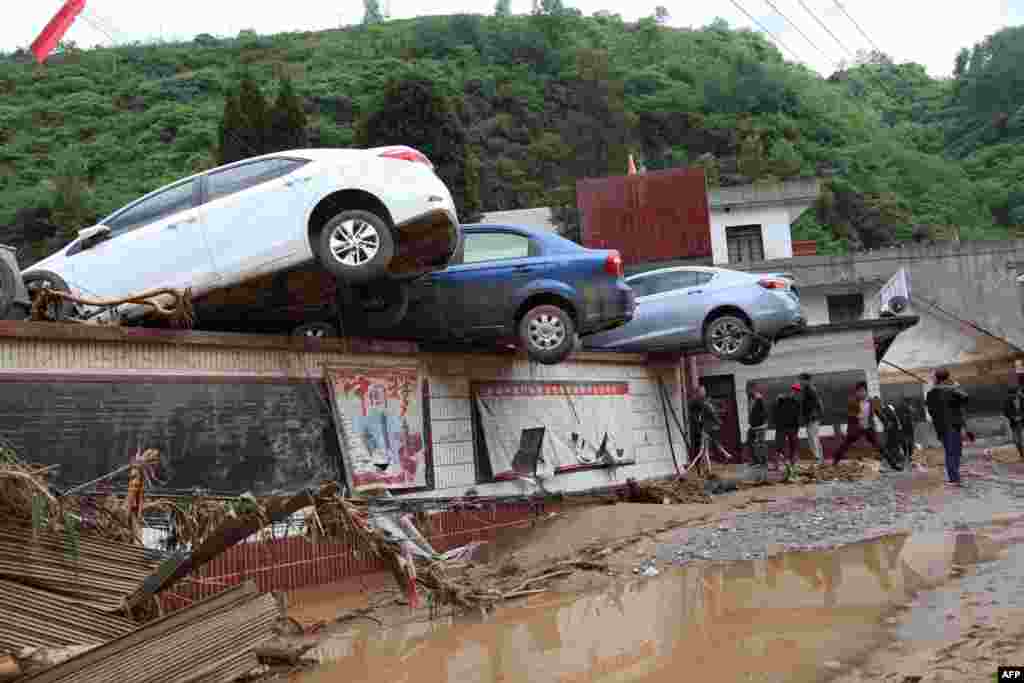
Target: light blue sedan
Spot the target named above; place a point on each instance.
(731, 314)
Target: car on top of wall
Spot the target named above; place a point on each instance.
(362, 215)
(731, 314)
(505, 286)
(511, 284)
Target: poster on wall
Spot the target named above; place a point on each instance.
(585, 424)
(380, 420)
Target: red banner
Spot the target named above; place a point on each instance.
(55, 30)
(528, 389)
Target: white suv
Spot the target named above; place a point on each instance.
(363, 214)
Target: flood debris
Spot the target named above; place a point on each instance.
(212, 641)
(165, 304)
(39, 619)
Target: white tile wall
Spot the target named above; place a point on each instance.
(451, 424)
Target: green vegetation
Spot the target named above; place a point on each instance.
(514, 109)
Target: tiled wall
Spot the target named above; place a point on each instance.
(452, 428)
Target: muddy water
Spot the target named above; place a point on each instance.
(781, 619)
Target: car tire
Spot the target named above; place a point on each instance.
(44, 279)
(759, 351)
(548, 334)
(384, 304)
(728, 337)
(356, 266)
(316, 330)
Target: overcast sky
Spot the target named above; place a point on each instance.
(923, 31)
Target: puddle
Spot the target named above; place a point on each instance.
(779, 619)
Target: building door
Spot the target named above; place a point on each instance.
(722, 392)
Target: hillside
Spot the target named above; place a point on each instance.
(543, 100)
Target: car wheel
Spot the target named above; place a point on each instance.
(44, 279)
(317, 330)
(548, 334)
(759, 351)
(384, 304)
(728, 338)
(356, 246)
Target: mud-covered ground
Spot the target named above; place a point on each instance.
(786, 522)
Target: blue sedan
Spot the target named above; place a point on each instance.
(508, 283)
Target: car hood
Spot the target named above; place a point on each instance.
(54, 262)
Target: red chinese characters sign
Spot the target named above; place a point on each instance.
(379, 416)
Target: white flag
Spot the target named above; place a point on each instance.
(895, 295)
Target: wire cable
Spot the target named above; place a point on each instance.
(798, 30)
(765, 30)
(854, 22)
(827, 29)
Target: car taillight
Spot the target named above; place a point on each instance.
(773, 284)
(613, 265)
(407, 154)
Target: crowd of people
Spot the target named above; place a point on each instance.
(802, 408)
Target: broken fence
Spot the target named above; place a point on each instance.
(291, 563)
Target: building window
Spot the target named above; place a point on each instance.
(845, 308)
(745, 243)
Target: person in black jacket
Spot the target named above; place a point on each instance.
(905, 411)
(1013, 409)
(787, 426)
(757, 420)
(703, 419)
(812, 411)
(946, 402)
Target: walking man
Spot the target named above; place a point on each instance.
(860, 412)
(757, 419)
(1013, 409)
(905, 412)
(813, 411)
(946, 402)
(787, 427)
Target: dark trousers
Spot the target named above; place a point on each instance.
(954, 447)
(854, 433)
(788, 443)
(756, 446)
(1015, 430)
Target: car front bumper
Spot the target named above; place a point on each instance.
(614, 310)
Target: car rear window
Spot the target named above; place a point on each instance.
(494, 246)
(238, 178)
(658, 283)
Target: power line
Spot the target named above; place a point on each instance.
(826, 28)
(762, 27)
(854, 22)
(798, 29)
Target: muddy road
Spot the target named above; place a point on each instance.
(847, 581)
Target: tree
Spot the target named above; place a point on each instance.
(254, 117)
(373, 15)
(413, 113)
(503, 8)
(71, 205)
(784, 159)
(287, 121)
(661, 14)
(751, 159)
(231, 147)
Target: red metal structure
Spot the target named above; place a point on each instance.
(43, 45)
(654, 216)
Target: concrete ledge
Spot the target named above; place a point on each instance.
(77, 332)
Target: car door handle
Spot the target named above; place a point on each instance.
(524, 269)
(296, 181)
(174, 226)
(697, 291)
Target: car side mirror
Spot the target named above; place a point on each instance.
(93, 234)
